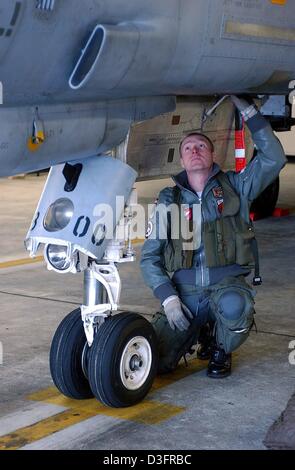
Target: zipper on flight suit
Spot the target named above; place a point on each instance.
(200, 253)
(204, 271)
(201, 256)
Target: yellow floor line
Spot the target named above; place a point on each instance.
(148, 412)
(138, 240)
(20, 262)
(42, 429)
(182, 371)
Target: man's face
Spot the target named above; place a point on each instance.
(196, 154)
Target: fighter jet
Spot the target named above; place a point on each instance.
(102, 91)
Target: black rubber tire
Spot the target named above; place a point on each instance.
(66, 358)
(105, 356)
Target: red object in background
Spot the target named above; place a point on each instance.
(240, 148)
(254, 216)
(240, 164)
(278, 212)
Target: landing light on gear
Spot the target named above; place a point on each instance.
(57, 256)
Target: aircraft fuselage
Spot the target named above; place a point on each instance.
(171, 47)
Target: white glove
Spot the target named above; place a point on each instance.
(177, 313)
(246, 107)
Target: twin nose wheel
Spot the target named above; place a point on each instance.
(119, 367)
(136, 363)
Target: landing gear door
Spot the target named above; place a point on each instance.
(81, 205)
(153, 145)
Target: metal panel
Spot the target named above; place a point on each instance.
(10, 13)
(258, 32)
(153, 146)
(70, 131)
(102, 180)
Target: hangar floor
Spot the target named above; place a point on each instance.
(185, 410)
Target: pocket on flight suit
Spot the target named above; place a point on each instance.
(244, 236)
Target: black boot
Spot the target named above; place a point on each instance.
(205, 342)
(220, 363)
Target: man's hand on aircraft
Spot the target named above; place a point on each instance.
(177, 313)
(245, 105)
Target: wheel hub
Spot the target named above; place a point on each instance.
(135, 363)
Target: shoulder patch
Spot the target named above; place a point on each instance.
(149, 229)
(217, 192)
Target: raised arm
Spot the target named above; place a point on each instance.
(269, 160)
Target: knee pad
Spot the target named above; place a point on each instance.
(233, 309)
(231, 305)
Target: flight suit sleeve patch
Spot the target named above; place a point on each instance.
(149, 229)
(150, 226)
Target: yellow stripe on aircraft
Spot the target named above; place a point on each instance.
(279, 2)
(39, 140)
(259, 31)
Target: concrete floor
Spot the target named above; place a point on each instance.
(185, 410)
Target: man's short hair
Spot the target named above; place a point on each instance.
(198, 134)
